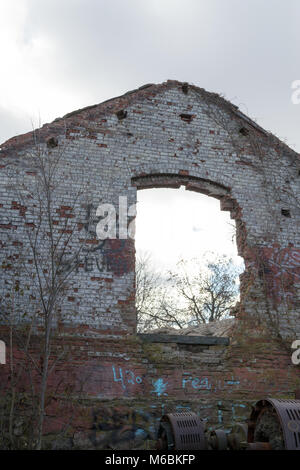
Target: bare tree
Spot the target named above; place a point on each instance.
(196, 292)
(11, 415)
(155, 305)
(208, 287)
(50, 248)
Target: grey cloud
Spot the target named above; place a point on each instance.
(12, 124)
(247, 50)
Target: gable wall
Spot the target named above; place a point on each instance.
(253, 178)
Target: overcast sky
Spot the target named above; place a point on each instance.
(60, 55)
(174, 224)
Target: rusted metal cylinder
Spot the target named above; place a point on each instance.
(181, 431)
(277, 422)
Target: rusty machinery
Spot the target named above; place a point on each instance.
(274, 424)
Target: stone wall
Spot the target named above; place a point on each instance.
(157, 136)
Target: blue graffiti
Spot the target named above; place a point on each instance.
(159, 387)
(197, 382)
(129, 377)
(180, 408)
(234, 406)
(204, 383)
(232, 381)
(220, 413)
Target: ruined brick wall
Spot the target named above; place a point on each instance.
(111, 391)
(165, 136)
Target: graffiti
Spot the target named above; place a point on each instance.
(232, 381)
(281, 268)
(89, 223)
(220, 413)
(233, 409)
(89, 261)
(181, 408)
(117, 426)
(204, 383)
(197, 383)
(233, 413)
(109, 255)
(112, 255)
(126, 377)
(122, 426)
(159, 387)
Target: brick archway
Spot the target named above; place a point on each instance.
(203, 186)
(209, 188)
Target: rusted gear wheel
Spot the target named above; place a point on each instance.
(268, 429)
(181, 431)
(277, 422)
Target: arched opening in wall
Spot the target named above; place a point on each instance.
(187, 262)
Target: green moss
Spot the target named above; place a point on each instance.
(157, 355)
(133, 340)
(153, 352)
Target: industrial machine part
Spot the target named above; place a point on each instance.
(186, 431)
(276, 421)
(238, 437)
(217, 440)
(181, 431)
(274, 425)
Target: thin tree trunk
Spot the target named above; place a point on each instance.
(44, 386)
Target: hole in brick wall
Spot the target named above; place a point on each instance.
(286, 212)
(186, 117)
(244, 131)
(174, 225)
(122, 114)
(52, 142)
(185, 88)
